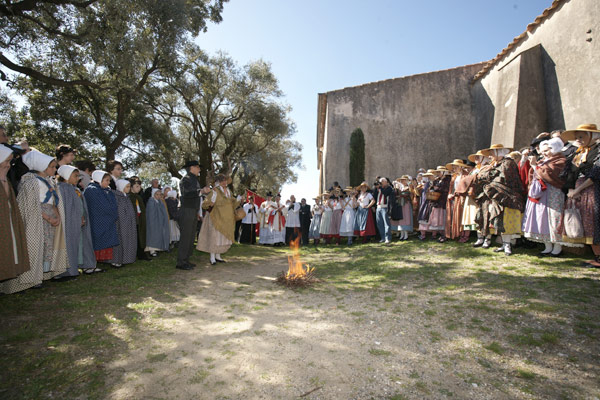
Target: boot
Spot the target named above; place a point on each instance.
(479, 241)
(507, 248)
(487, 242)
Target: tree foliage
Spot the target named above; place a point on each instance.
(357, 157)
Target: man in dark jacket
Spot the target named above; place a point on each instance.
(305, 217)
(383, 200)
(190, 191)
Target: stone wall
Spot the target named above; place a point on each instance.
(550, 79)
(416, 121)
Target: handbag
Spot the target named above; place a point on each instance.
(572, 221)
(433, 196)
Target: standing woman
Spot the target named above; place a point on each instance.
(545, 203)
(217, 232)
(126, 251)
(38, 202)
(426, 204)
(104, 213)
(173, 208)
(78, 235)
(314, 232)
(405, 224)
(115, 169)
(500, 191)
(13, 241)
(364, 224)
(336, 215)
(349, 204)
(472, 207)
(158, 235)
(325, 227)
(456, 201)
(437, 219)
(585, 168)
(139, 206)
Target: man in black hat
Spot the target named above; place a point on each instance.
(190, 190)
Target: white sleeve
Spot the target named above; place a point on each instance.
(214, 196)
(296, 208)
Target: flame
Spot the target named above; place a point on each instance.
(296, 269)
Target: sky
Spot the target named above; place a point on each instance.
(315, 46)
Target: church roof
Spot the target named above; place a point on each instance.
(530, 28)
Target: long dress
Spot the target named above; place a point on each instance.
(217, 231)
(45, 243)
(348, 216)
(265, 233)
(336, 218)
(158, 236)
(470, 206)
(499, 192)
(437, 218)
(126, 251)
(13, 241)
(314, 232)
(325, 227)
(585, 164)
(80, 249)
(139, 206)
(104, 213)
(455, 206)
(364, 224)
(425, 207)
(173, 208)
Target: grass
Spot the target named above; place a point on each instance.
(454, 293)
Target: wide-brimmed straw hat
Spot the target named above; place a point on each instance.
(363, 184)
(405, 177)
(570, 135)
(488, 152)
(471, 157)
(428, 174)
(430, 171)
(458, 162)
(349, 189)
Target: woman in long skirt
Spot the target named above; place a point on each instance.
(545, 202)
(78, 235)
(126, 251)
(173, 208)
(139, 206)
(471, 207)
(158, 234)
(456, 201)
(336, 216)
(13, 241)
(314, 232)
(349, 204)
(38, 201)
(104, 213)
(405, 224)
(364, 224)
(217, 231)
(325, 228)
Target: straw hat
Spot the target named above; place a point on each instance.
(325, 193)
(363, 184)
(441, 168)
(349, 189)
(570, 135)
(317, 198)
(428, 174)
(405, 177)
(472, 156)
(458, 162)
(488, 152)
(430, 171)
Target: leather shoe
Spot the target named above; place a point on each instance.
(184, 267)
(220, 260)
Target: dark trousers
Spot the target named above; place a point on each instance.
(187, 226)
(238, 228)
(304, 228)
(248, 234)
(291, 234)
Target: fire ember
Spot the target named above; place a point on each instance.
(297, 275)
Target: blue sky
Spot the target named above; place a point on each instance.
(315, 46)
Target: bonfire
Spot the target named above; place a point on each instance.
(297, 275)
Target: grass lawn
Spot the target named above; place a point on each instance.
(408, 320)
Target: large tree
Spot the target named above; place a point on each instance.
(217, 111)
(89, 64)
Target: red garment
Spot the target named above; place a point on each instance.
(524, 169)
(104, 254)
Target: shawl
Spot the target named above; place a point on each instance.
(442, 185)
(12, 215)
(222, 214)
(158, 234)
(502, 184)
(74, 201)
(103, 211)
(140, 217)
(550, 169)
(30, 207)
(126, 251)
(463, 186)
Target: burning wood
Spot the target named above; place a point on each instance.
(297, 275)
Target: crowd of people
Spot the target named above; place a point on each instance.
(59, 219)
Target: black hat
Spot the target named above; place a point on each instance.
(191, 164)
(269, 194)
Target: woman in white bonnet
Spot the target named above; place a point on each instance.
(38, 202)
(126, 251)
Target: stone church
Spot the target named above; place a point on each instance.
(547, 78)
